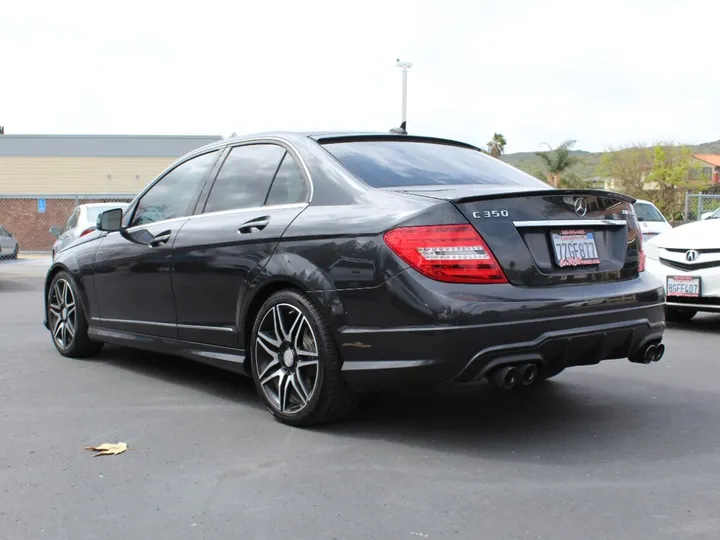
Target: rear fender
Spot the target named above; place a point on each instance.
(290, 270)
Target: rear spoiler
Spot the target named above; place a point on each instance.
(545, 192)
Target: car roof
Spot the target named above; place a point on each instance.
(332, 136)
(644, 201)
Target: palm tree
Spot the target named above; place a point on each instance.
(496, 146)
(557, 160)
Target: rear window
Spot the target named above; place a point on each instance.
(393, 163)
(647, 212)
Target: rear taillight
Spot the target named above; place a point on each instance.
(451, 253)
(87, 231)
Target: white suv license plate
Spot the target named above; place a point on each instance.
(685, 286)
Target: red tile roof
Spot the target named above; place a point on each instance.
(712, 159)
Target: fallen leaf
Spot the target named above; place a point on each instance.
(108, 449)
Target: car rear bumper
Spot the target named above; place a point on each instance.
(488, 326)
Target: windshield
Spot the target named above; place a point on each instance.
(390, 163)
(647, 212)
(94, 211)
(715, 214)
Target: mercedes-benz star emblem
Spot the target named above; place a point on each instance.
(691, 255)
(580, 207)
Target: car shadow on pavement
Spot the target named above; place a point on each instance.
(703, 322)
(580, 418)
(602, 420)
(175, 370)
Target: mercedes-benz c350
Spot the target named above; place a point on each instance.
(328, 265)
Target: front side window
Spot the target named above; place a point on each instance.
(289, 186)
(245, 177)
(391, 163)
(3, 232)
(172, 196)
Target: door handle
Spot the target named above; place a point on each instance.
(254, 225)
(160, 239)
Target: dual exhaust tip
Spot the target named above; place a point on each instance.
(653, 353)
(510, 376)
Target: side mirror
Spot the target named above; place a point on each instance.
(55, 231)
(110, 220)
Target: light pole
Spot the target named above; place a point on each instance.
(404, 66)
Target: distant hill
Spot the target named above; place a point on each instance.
(587, 167)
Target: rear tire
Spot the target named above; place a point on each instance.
(67, 319)
(676, 314)
(295, 363)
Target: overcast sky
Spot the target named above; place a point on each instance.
(602, 72)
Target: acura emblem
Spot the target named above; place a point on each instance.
(580, 207)
(691, 255)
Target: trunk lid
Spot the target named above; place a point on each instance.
(544, 237)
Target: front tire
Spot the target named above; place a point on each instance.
(295, 363)
(67, 319)
(676, 314)
(14, 254)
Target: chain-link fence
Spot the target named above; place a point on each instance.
(26, 220)
(699, 204)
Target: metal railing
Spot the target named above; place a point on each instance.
(697, 204)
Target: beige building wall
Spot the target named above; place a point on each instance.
(78, 175)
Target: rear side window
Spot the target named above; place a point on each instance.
(245, 177)
(391, 163)
(72, 220)
(289, 186)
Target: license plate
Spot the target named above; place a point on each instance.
(687, 286)
(575, 248)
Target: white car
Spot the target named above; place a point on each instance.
(686, 260)
(652, 222)
(82, 221)
(8, 244)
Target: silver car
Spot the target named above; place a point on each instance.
(81, 222)
(8, 244)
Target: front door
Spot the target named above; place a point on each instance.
(258, 192)
(132, 281)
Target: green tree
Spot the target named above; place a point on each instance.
(496, 145)
(557, 163)
(660, 172)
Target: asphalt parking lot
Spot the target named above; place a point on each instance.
(618, 451)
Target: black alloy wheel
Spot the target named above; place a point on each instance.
(295, 364)
(67, 321)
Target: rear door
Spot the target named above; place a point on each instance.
(259, 190)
